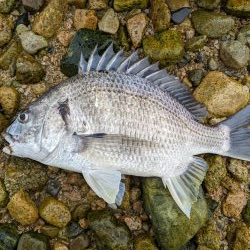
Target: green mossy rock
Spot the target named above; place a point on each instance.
(239, 8)
(6, 6)
(209, 4)
(8, 237)
(125, 5)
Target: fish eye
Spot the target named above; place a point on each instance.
(23, 117)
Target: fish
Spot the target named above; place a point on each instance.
(125, 116)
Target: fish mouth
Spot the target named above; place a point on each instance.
(8, 141)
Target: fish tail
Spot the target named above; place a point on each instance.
(239, 142)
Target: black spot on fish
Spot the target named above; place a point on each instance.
(98, 135)
(64, 110)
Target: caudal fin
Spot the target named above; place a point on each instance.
(239, 127)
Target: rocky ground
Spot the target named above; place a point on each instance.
(204, 42)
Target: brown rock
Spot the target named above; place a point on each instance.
(60, 246)
(177, 4)
(3, 122)
(98, 4)
(136, 26)
(22, 208)
(231, 184)
(222, 95)
(234, 204)
(133, 222)
(32, 5)
(242, 240)
(78, 3)
(65, 37)
(85, 19)
(5, 30)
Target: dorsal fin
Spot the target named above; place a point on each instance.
(111, 61)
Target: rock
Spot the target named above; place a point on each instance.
(238, 169)
(222, 95)
(212, 64)
(233, 205)
(81, 242)
(8, 237)
(135, 194)
(244, 35)
(65, 37)
(6, 6)
(3, 122)
(72, 230)
(30, 41)
(24, 174)
(31, 5)
(242, 240)
(208, 4)
(211, 24)
(177, 4)
(77, 3)
(53, 187)
(160, 15)
(144, 242)
(165, 213)
(166, 47)
(5, 30)
(9, 100)
(234, 54)
(80, 211)
(98, 4)
(231, 184)
(49, 20)
(33, 241)
(136, 26)
(59, 246)
(109, 233)
(84, 41)
(55, 212)
(195, 76)
(125, 5)
(238, 8)
(196, 43)
(122, 38)
(85, 19)
(109, 23)
(28, 69)
(22, 208)
(180, 15)
(126, 197)
(208, 237)
(133, 222)
(50, 231)
(9, 55)
(3, 195)
(246, 213)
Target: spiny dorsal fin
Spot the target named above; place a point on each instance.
(111, 61)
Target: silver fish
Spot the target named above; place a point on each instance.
(125, 116)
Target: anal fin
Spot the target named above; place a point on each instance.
(185, 187)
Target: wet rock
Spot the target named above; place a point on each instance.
(23, 19)
(222, 95)
(209, 237)
(165, 213)
(246, 213)
(84, 41)
(9, 55)
(77, 3)
(6, 6)
(24, 174)
(238, 8)
(136, 26)
(144, 242)
(60, 246)
(208, 4)
(81, 242)
(133, 222)
(109, 23)
(31, 5)
(50, 231)
(22, 208)
(5, 30)
(53, 187)
(110, 234)
(233, 205)
(231, 184)
(65, 37)
(3, 122)
(238, 169)
(55, 212)
(98, 4)
(166, 47)
(30, 41)
(33, 241)
(80, 211)
(242, 240)
(85, 19)
(195, 76)
(180, 15)
(196, 43)
(3, 195)
(49, 20)
(244, 35)
(8, 237)
(211, 24)
(160, 15)
(122, 38)
(28, 69)
(212, 64)
(9, 100)
(177, 4)
(125, 5)
(234, 54)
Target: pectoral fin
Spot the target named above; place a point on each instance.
(105, 183)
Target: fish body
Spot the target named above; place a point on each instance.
(123, 116)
